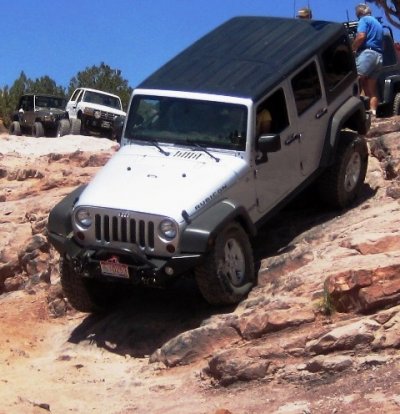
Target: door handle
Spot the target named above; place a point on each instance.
(321, 113)
(292, 138)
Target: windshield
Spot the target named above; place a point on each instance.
(187, 122)
(50, 102)
(100, 99)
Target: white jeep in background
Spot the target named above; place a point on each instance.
(95, 112)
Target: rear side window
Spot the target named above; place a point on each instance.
(338, 66)
(306, 88)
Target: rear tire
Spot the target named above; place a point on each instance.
(341, 183)
(15, 128)
(228, 274)
(63, 128)
(37, 130)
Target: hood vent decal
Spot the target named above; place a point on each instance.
(188, 155)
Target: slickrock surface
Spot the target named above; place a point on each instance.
(319, 334)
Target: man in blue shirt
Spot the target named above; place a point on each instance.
(368, 46)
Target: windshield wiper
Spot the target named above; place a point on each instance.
(155, 143)
(197, 145)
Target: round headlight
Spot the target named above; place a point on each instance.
(168, 229)
(83, 218)
(97, 114)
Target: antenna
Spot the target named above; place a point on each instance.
(294, 8)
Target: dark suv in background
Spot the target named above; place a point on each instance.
(389, 76)
(39, 115)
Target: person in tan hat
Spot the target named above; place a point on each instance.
(304, 13)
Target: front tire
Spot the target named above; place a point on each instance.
(15, 128)
(228, 274)
(86, 295)
(341, 183)
(37, 130)
(396, 104)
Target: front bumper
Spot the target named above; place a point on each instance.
(143, 270)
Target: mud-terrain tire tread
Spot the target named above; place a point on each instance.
(331, 184)
(63, 127)
(75, 289)
(15, 128)
(216, 288)
(38, 130)
(396, 104)
(88, 295)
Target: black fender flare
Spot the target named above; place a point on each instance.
(352, 115)
(391, 87)
(59, 224)
(199, 235)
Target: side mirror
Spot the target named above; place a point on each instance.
(269, 143)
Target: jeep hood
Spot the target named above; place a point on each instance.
(104, 108)
(142, 179)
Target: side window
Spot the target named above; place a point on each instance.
(306, 88)
(80, 96)
(272, 114)
(338, 64)
(29, 103)
(75, 95)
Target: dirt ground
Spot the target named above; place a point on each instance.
(53, 365)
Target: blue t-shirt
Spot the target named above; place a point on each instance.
(374, 33)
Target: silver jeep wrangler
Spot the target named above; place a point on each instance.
(216, 141)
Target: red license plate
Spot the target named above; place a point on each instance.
(114, 269)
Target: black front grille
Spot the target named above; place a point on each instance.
(107, 116)
(126, 230)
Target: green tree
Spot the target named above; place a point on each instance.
(104, 78)
(46, 85)
(9, 97)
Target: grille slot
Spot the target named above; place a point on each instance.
(107, 116)
(126, 230)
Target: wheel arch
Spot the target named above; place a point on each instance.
(391, 87)
(351, 115)
(59, 224)
(199, 235)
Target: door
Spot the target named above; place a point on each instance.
(276, 173)
(311, 116)
(27, 112)
(72, 104)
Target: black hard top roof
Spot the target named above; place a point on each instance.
(243, 57)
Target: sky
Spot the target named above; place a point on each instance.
(60, 38)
